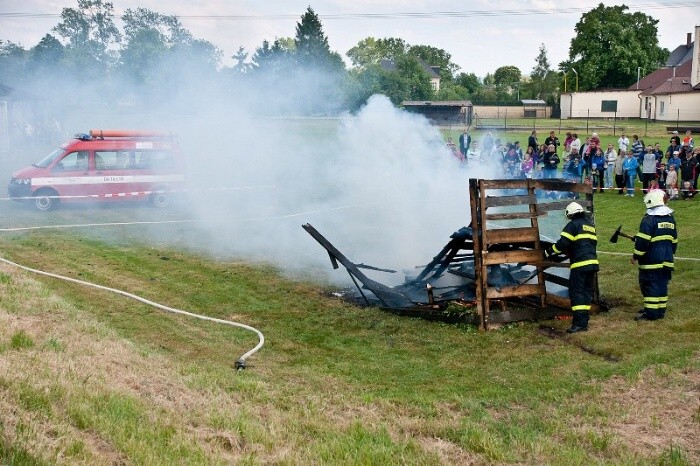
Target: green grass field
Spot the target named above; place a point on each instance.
(88, 377)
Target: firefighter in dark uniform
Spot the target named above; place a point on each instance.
(654, 247)
(578, 241)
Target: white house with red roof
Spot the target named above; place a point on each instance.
(671, 93)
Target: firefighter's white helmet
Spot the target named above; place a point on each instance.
(654, 198)
(573, 209)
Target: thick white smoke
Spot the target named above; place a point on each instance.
(380, 185)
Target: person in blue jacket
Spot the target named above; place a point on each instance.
(654, 247)
(629, 166)
(598, 166)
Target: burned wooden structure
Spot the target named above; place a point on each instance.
(495, 206)
(493, 266)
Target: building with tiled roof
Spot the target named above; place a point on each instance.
(671, 93)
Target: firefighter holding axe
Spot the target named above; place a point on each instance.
(654, 247)
(578, 241)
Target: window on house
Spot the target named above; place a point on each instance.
(608, 106)
(662, 107)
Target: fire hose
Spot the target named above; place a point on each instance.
(240, 363)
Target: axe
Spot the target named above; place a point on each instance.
(619, 233)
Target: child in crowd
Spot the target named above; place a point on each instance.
(688, 140)
(511, 163)
(526, 165)
(661, 174)
(688, 191)
(672, 182)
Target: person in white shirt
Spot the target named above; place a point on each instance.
(610, 157)
(473, 153)
(575, 144)
(623, 143)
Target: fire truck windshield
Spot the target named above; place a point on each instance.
(46, 161)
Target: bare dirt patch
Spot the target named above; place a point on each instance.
(660, 409)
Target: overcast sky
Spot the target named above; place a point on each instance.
(481, 35)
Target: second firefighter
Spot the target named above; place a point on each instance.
(578, 241)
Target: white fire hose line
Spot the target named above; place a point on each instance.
(81, 225)
(240, 363)
(629, 254)
(610, 253)
(159, 222)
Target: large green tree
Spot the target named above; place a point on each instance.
(168, 27)
(397, 83)
(155, 51)
(275, 57)
(507, 75)
(544, 82)
(407, 81)
(434, 56)
(89, 31)
(13, 60)
(370, 51)
(46, 57)
(469, 81)
(311, 44)
(147, 42)
(240, 57)
(610, 44)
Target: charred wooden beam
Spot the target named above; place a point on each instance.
(386, 295)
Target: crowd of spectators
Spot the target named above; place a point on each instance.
(613, 167)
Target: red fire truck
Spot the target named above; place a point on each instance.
(104, 165)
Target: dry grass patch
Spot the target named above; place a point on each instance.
(657, 412)
(57, 392)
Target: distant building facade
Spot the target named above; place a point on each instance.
(668, 94)
(445, 112)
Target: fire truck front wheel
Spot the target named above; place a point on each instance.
(45, 199)
(160, 199)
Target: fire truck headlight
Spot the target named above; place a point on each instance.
(22, 180)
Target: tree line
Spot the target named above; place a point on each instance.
(153, 54)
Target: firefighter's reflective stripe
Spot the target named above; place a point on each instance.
(579, 236)
(581, 307)
(584, 263)
(656, 266)
(578, 241)
(664, 238)
(655, 302)
(639, 253)
(644, 236)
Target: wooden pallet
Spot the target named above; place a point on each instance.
(503, 200)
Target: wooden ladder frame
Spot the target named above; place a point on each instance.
(501, 239)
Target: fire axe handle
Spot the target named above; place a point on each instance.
(619, 233)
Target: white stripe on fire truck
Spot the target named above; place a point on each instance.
(105, 179)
